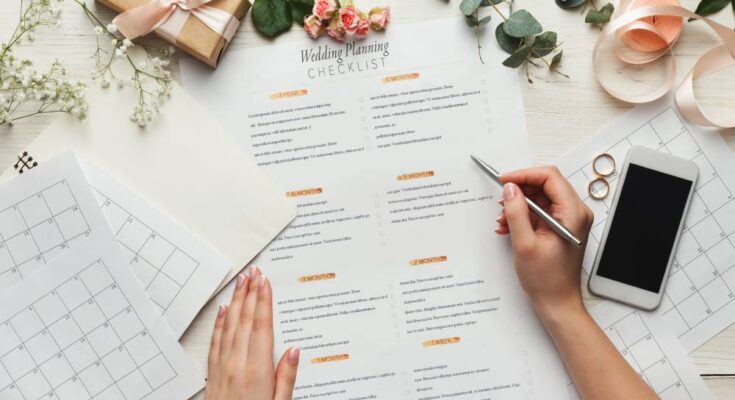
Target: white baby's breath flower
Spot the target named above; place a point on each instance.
(127, 43)
(112, 28)
(98, 30)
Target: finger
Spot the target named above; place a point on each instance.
(519, 221)
(261, 337)
(556, 188)
(214, 346)
(502, 230)
(286, 374)
(241, 344)
(233, 316)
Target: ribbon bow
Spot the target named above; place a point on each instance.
(168, 18)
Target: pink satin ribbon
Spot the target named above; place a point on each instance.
(167, 18)
(649, 29)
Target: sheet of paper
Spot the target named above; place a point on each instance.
(43, 213)
(83, 328)
(700, 293)
(179, 272)
(183, 163)
(390, 278)
(649, 346)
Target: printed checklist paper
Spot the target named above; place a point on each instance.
(178, 272)
(83, 328)
(699, 299)
(51, 208)
(651, 349)
(390, 279)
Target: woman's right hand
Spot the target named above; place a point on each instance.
(547, 265)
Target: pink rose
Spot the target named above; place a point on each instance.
(324, 9)
(335, 31)
(379, 18)
(363, 27)
(349, 19)
(313, 26)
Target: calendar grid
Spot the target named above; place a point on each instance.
(31, 232)
(695, 296)
(156, 276)
(49, 313)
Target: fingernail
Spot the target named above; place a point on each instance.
(509, 191)
(293, 355)
(261, 281)
(499, 217)
(256, 271)
(240, 281)
(221, 311)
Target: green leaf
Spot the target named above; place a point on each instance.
(709, 7)
(544, 44)
(272, 17)
(484, 21)
(521, 24)
(600, 16)
(468, 7)
(556, 61)
(301, 9)
(518, 57)
(567, 4)
(487, 3)
(471, 20)
(506, 42)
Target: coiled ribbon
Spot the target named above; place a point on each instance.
(650, 28)
(167, 17)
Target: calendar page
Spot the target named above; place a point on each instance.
(42, 213)
(699, 299)
(178, 271)
(648, 346)
(83, 328)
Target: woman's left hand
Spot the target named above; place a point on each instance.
(241, 353)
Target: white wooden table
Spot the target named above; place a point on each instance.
(560, 112)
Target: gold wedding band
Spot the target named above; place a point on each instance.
(603, 171)
(601, 192)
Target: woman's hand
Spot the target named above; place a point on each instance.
(548, 266)
(241, 353)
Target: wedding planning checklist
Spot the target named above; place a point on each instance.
(390, 278)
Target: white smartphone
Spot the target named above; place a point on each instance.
(643, 228)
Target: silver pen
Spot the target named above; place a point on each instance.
(554, 224)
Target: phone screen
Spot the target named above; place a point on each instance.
(644, 228)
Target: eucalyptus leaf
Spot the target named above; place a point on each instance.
(301, 9)
(709, 7)
(506, 42)
(486, 3)
(544, 44)
(518, 57)
(521, 24)
(600, 16)
(556, 61)
(471, 20)
(567, 4)
(272, 17)
(468, 7)
(484, 21)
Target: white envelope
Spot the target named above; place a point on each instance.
(184, 163)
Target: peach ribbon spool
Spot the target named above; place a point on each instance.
(649, 29)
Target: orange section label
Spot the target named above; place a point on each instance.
(317, 277)
(290, 93)
(428, 260)
(415, 175)
(402, 77)
(304, 192)
(441, 342)
(325, 359)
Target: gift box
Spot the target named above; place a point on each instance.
(191, 31)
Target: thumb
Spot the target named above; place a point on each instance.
(517, 214)
(286, 373)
